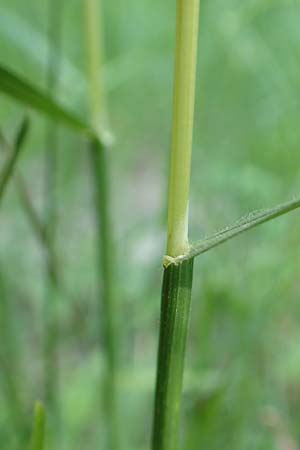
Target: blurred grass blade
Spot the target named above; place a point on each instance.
(34, 45)
(30, 211)
(22, 91)
(247, 223)
(11, 364)
(9, 166)
(38, 432)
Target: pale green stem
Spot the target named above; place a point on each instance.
(94, 38)
(100, 165)
(182, 126)
(38, 432)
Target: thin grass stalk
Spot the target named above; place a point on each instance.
(11, 161)
(177, 280)
(100, 171)
(11, 368)
(39, 425)
(29, 209)
(51, 323)
(106, 294)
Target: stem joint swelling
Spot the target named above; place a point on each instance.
(169, 260)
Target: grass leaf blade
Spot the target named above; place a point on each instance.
(22, 91)
(9, 166)
(252, 220)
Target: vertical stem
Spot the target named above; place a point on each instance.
(38, 431)
(94, 38)
(100, 168)
(182, 126)
(51, 336)
(177, 282)
(11, 368)
(105, 289)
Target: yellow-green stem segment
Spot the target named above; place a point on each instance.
(93, 9)
(182, 125)
(38, 432)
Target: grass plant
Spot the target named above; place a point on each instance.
(178, 270)
(180, 251)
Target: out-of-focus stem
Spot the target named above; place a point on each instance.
(38, 431)
(100, 171)
(10, 368)
(106, 290)
(51, 320)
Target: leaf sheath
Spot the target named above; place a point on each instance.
(175, 314)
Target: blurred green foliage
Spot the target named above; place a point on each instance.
(242, 386)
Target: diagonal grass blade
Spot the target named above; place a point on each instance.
(9, 166)
(250, 221)
(24, 92)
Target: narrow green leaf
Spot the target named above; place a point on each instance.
(248, 222)
(38, 432)
(22, 91)
(32, 214)
(9, 166)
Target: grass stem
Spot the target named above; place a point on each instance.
(38, 432)
(51, 336)
(105, 289)
(175, 313)
(100, 168)
(11, 367)
(182, 125)
(177, 281)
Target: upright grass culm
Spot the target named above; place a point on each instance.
(51, 325)
(39, 425)
(11, 368)
(177, 280)
(100, 172)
